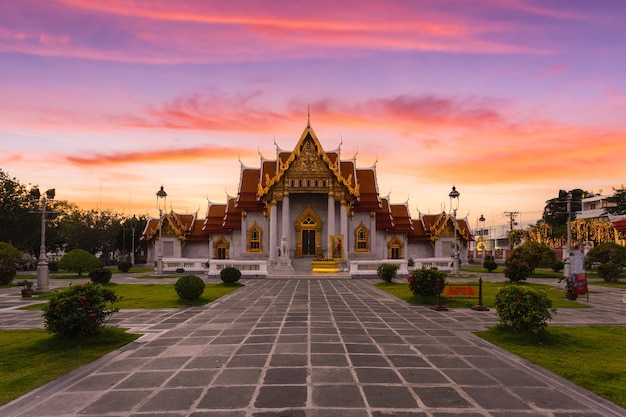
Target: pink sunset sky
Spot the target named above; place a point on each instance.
(508, 100)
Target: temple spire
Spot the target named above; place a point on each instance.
(308, 116)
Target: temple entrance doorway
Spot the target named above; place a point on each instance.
(308, 242)
(308, 231)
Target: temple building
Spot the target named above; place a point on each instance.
(303, 205)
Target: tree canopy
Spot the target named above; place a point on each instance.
(79, 260)
(617, 202)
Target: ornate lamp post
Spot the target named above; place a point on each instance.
(43, 273)
(454, 198)
(567, 269)
(161, 197)
(133, 225)
(482, 234)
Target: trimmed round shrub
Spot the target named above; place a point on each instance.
(79, 310)
(100, 276)
(523, 310)
(189, 287)
(79, 260)
(230, 275)
(558, 266)
(516, 271)
(610, 271)
(423, 282)
(124, 266)
(489, 264)
(6, 275)
(53, 266)
(387, 272)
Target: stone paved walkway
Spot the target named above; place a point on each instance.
(312, 348)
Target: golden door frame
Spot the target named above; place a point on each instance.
(308, 220)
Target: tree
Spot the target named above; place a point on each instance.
(92, 230)
(608, 252)
(9, 255)
(617, 202)
(79, 260)
(534, 254)
(612, 259)
(555, 210)
(18, 225)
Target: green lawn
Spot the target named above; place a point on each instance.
(32, 358)
(618, 284)
(578, 354)
(155, 295)
(402, 291)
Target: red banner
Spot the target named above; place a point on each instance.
(580, 283)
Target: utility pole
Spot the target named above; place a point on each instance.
(512, 215)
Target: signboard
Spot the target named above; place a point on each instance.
(577, 270)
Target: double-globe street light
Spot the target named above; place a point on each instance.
(43, 273)
(133, 226)
(161, 202)
(454, 198)
(482, 234)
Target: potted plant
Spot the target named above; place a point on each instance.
(569, 288)
(27, 291)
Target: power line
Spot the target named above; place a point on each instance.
(512, 215)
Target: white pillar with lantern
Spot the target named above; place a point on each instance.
(161, 203)
(454, 205)
(43, 273)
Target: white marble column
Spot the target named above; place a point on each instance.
(273, 230)
(344, 227)
(243, 239)
(285, 222)
(331, 220)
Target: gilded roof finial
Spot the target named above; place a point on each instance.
(308, 116)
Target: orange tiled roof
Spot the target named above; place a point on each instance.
(215, 218)
(248, 186)
(418, 234)
(433, 223)
(186, 227)
(348, 171)
(401, 218)
(369, 199)
(232, 216)
(384, 219)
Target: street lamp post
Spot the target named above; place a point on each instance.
(482, 234)
(161, 197)
(567, 267)
(454, 197)
(133, 225)
(43, 273)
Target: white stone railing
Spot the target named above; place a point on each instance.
(368, 267)
(186, 264)
(442, 264)
(254, 268)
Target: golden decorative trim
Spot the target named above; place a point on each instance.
(262, 191)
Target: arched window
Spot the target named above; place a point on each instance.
(395, 248)
(362, 239)
(254, 238)
(220, 248)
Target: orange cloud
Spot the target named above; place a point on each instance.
(206, 32)
(176, 155)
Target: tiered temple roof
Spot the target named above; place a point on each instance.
(361, 183)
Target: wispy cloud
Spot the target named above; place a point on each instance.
(131, 31)
(170, 155)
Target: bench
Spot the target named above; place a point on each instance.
(466, 291)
